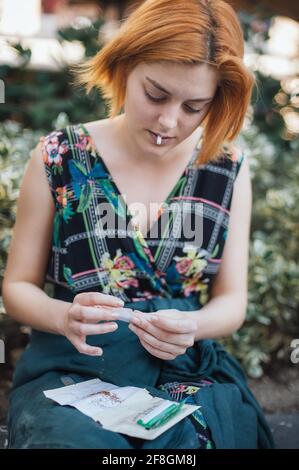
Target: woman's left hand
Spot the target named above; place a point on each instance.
(168, 334)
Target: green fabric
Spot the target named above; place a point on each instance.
(230, 409)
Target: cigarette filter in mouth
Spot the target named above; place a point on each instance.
(159, 140)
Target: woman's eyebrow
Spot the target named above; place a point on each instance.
(153, 82)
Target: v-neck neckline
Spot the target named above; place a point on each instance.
(119, 194)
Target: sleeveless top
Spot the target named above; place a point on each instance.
(180, 256)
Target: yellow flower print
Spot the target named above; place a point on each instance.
(121, 272)
(65, 206)
(190, 267)
(191, 390)
(192, 263)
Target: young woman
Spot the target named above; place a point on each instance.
(148, 209)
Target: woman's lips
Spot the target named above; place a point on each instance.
(164, 139)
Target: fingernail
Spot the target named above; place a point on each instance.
(136, 320)
(120, 302)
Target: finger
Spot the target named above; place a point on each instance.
(179, 339)
(97, 298)
(169, 320)
(171, 324)
(86, 329)
(92, 314)
(156, 343)
(157, 352)
(84, 348)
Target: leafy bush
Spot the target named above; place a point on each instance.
(273, 294)
(35, 97)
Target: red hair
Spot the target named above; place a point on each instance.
(188, 32)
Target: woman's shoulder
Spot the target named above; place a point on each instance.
(65, 141)
(225, 168)
(98, 126)
(80, 128)
(230, 157)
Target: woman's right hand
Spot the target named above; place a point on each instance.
(83, 317)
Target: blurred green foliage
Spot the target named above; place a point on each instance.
(273, 294)
(35, 97)
(43, 100)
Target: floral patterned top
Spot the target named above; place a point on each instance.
(88, 256)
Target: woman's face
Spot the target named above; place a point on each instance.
(167, 99)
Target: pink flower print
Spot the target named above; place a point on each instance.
(124, 262)
(85, 142)
(180, 388)
(184, 265)
(147, 295)
(128, 283)
(206, 382)
(53, 150)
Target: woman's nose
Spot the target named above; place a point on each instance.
(168, 119)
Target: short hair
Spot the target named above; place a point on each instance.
(187, 32)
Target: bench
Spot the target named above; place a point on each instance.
(3, 437)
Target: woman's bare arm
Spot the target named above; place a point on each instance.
(226, 310)
(22, 290)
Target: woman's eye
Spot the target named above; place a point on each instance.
(191, 110)
(153, 98)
